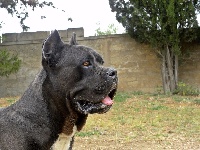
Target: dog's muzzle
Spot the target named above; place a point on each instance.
(88, 107)
(102, 98)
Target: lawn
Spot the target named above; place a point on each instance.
(142, 122)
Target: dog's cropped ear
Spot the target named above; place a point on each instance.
(73, 40)
(51, 49)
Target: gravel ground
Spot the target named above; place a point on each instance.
(105, 143)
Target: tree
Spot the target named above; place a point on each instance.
(8, 63)
(111, 30)
(19, 8)
(165, 24)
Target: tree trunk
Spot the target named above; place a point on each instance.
(170, 66)
(164, 75)
(169, 70)
(165, 79)
(176, 71)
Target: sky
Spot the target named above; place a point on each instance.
(89, 14)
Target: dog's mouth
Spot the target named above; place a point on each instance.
(102, 106)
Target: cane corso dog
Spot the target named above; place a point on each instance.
(72, 84)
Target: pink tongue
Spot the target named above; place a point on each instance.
(107, 101)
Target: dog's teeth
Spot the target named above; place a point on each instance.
(103, 106)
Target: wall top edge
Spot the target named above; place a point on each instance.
(40, 36)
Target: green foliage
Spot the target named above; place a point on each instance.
(186, 90)
(111, 30)
(19, 8)
(8, 64)
(163, 24)
(158, 22)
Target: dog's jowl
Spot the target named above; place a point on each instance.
(72, 84)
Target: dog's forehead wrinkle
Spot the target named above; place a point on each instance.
(87, 52)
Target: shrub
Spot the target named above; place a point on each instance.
(186, 90)
(8, 63)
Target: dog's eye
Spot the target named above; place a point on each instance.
(86, 63)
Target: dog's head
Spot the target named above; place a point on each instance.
(77, 72)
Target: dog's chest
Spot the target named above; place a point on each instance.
(63, 142)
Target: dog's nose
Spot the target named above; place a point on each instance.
(112, 73)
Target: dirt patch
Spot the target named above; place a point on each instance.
(105, 143)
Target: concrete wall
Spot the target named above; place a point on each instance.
(189, 69)
(137, 64)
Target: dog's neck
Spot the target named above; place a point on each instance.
(62, 118)
(61, 106)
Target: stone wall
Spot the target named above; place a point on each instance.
(137, 64)
(189, 69)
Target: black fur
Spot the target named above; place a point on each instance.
(70, 86)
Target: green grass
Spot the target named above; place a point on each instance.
(197, 101)
(122, 96)
(11, 100)
(139, 116)
(148, 117)
(89, 133)
(7, 101)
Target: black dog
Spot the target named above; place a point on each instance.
(72, 84)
